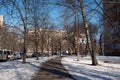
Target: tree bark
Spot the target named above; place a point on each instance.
(88, 36)
(100, 44)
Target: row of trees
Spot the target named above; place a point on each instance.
(76, 16)
(81, 11)
(10, 37)
(84, 11)
(34, 13)
(27, 13)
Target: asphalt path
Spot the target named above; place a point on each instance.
(53, 70)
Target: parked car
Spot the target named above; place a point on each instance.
(16, 55)
(45, 54)
(54, 53)
(35, 54)
(5, 54)
(65, 53)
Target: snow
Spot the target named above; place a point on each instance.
(83, 70)
(15, 70)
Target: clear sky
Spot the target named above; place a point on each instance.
(54, 14)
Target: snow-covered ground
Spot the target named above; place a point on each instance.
(15, 70)
(83, 70)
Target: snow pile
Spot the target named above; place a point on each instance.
(15, 70)
(83, 70)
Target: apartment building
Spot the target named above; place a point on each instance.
(1, 25)
(111, 17)
(1, 21)
(52, 40)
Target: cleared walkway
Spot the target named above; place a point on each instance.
(53, 70)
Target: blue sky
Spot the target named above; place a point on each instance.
(54, 14)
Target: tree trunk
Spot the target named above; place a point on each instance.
(24, 46)
(77, 32)
(100, 44)
(93, 57)
(88, 36)
(25, 21)
(36, 45)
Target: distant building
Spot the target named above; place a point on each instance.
(1, 25)
(54, 40)
(1, 21)
(44, 33)
(111, 19)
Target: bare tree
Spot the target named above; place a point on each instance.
(35, 11)
(19, 9)
(10, 38)
(79, 7)
(88, 37)
(111, 23)
(107, 18)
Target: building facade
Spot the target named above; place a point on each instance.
(48, 40)
(111, 18)
(52, 41)
(1, 25)
(1, 21)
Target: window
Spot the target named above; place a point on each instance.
(116, 46)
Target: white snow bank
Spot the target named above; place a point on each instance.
(83, 70)
(15, 70)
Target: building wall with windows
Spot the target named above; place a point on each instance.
(1, 25)
(111, 17)
(55, 40)
(1, 21)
